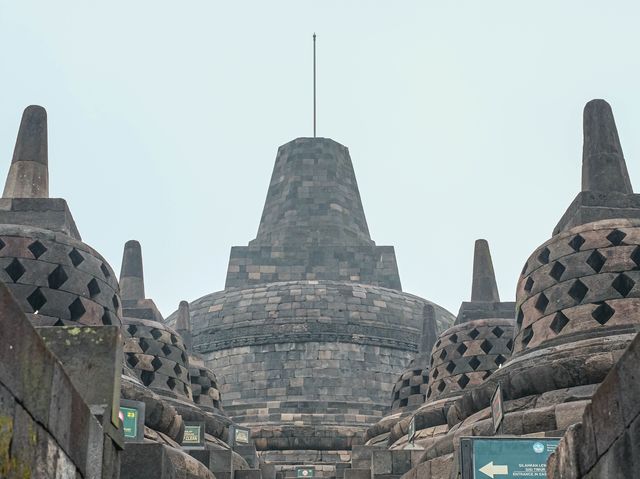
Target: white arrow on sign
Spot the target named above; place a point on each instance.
(492, 470)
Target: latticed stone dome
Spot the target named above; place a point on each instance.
(157, 355)
(582, 283)
(56, 279)
(467, 354)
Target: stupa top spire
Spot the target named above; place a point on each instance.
(29, 173)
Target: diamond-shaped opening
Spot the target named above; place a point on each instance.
(156, 363)
(524, 269)
(144, 344)
(443, 354)
(486, 375)
(474, 333)
(405, 383)
(116, 303)
(435, 373)
(603, 313)
(527, 335)
(451, 367)
(15, 270)
(623, 284)
(76, 309)
(497, 331)
(404, 402)
(463, 381)
(453, 338)
(543, 257)
(57, 277)
(576, 242)
(105, 270)
(557, 270)
(171, 383)
(441, 386)
(431, 361)
(596, 260)
(132, 360)
(166, 349)
(133, 329)
(94, 288)
(174, 339)
(528, 284)
(616, 237)
(76, 257)
(36, 300)
(474, 363)
(541, 303)
(429, 392)
(156, 333)
(37, 249)
(520, 317)
(635, 256)
(438, 343)
(500, 360)
(147, 377)
(559, 322)
(462, 349)
(486, 346)
(578, 290)
(510, 345)
(106, 318)
(414, 390)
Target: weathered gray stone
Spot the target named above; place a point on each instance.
(29, 174)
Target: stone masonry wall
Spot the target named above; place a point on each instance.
(607, 442)
(46, 429)
(339, 386)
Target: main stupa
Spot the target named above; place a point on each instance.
(312, 328)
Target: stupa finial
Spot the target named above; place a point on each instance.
(28, 176)
(603, 165)
(131, 274)
(183, 323)
(484, 286)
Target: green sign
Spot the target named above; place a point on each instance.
(129, 418)
(305, 471)
(193, 435)
(506, 458)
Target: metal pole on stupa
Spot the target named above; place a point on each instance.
(314, 85)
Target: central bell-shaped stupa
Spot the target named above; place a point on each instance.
(313, 329)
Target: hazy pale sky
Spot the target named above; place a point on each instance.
(463, 120)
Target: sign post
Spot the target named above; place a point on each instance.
(131, 415)
(497, 409)
(308, 471)
(505, 457)
(238, 435)
(193, 437)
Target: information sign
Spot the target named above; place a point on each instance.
(506, 457)
(129, 418)
(131, 415)
(497, 410)
(239, 435)
(412, 430)
(305, 471)
(193, 437)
